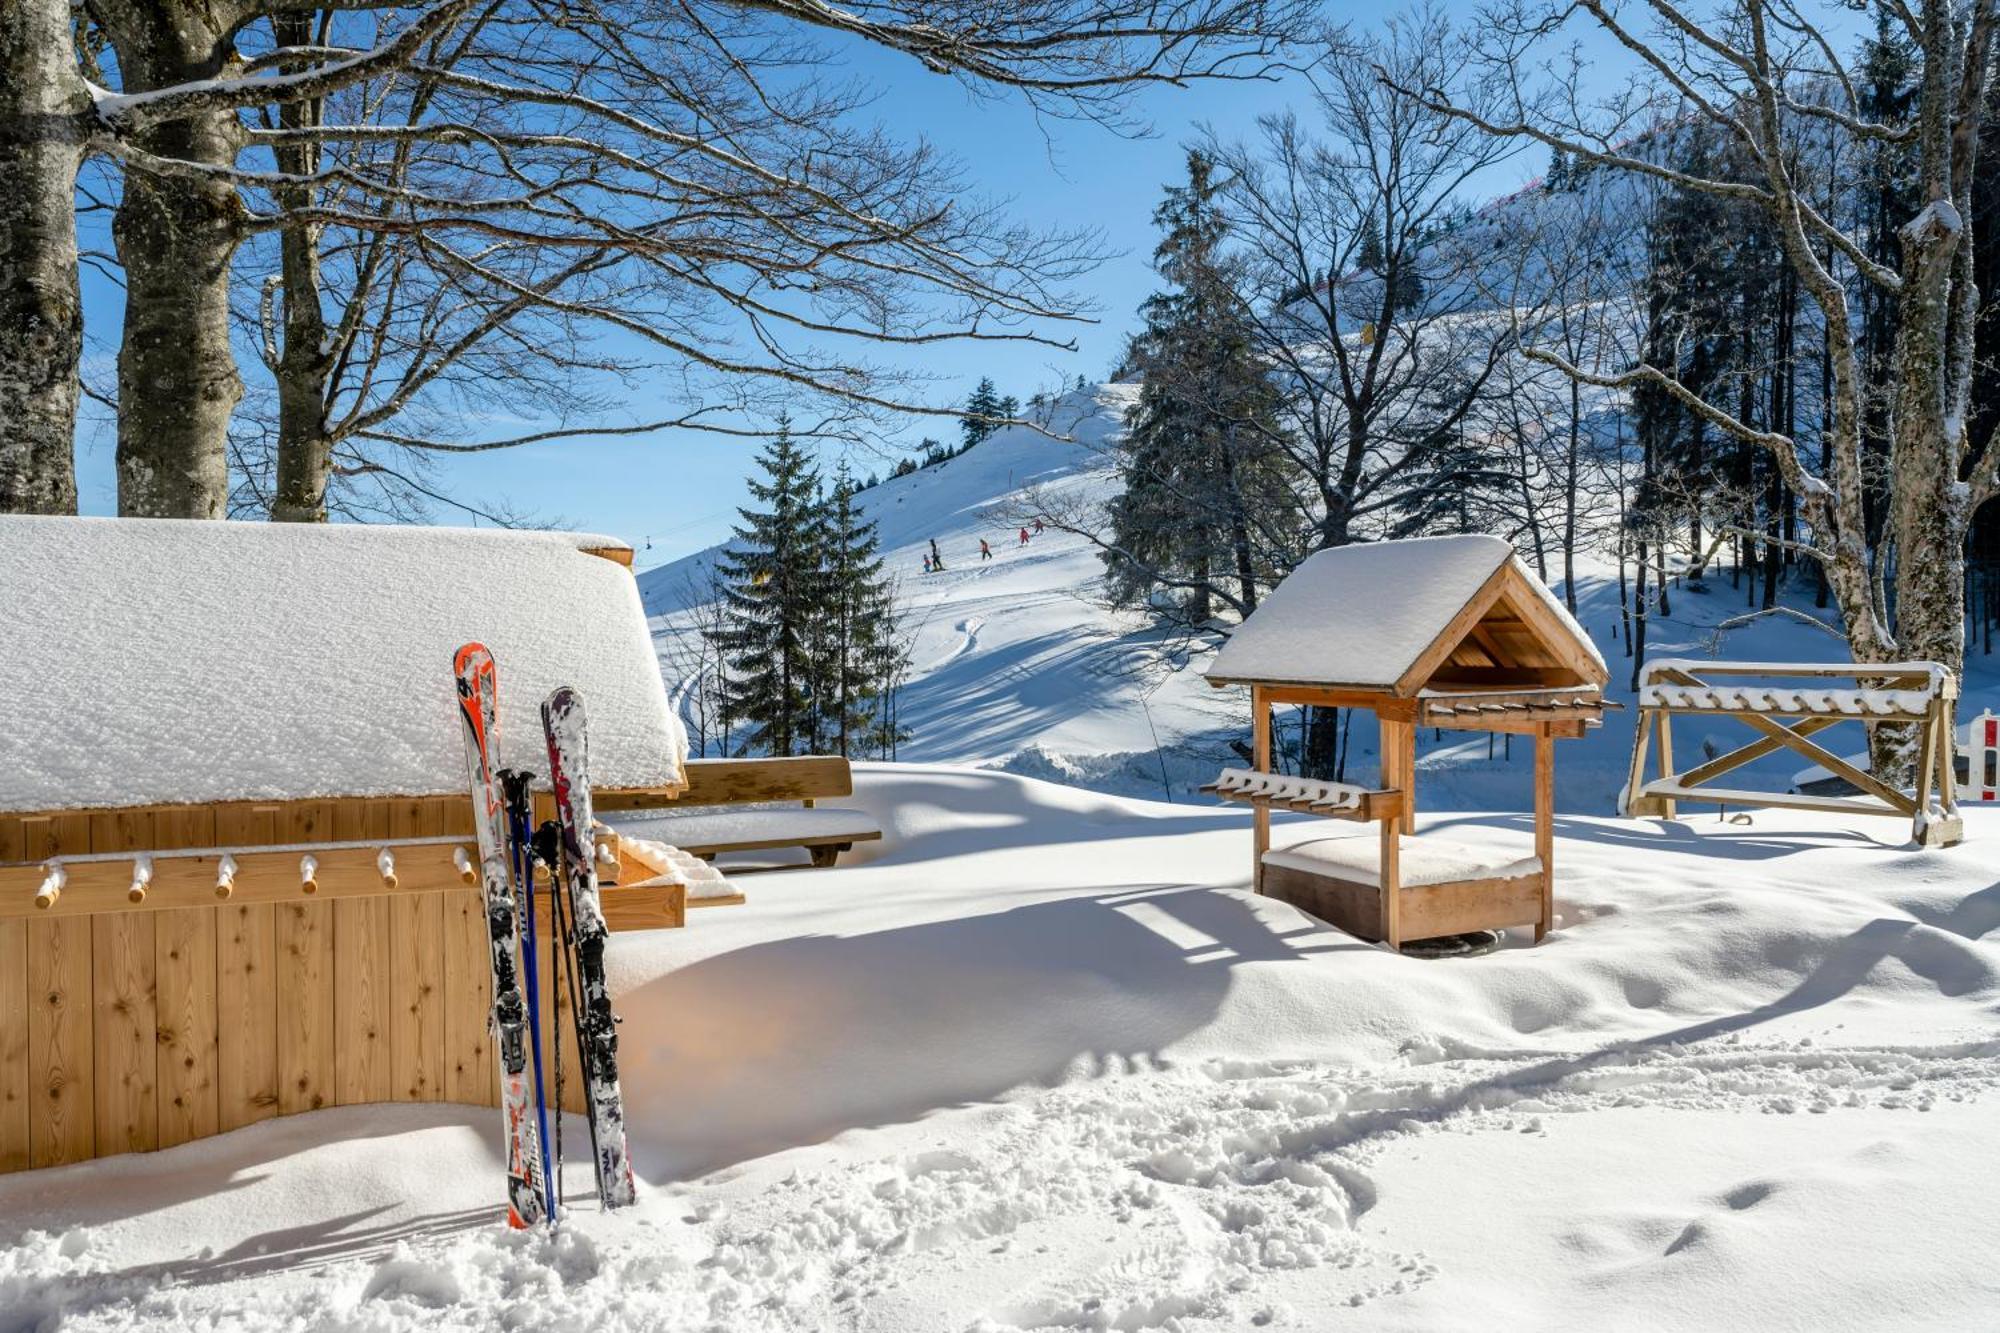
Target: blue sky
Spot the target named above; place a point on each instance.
(679, 491)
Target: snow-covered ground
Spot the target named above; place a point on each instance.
(1040, 1060)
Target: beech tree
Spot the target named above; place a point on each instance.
(759, 229)
(1753, 71)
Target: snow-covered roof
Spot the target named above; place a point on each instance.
(153, 661)
(1363, 615)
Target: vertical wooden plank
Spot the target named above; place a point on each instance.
(1664, 723)
(304, 954)
(179, 826)
(62, 1123)
(1391, 740)
(416, 978)
(43, 836)
(362, 945)
(1260, 749)
(246, 985)
(184, 941)
(1545, 835)
(417, 1023)
(125, 1031)
(15, 1154)
(468, 1002)
(362, 959)
(1406, 772)
(124, 1017)
(303, 936)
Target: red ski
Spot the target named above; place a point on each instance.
(527, 1189)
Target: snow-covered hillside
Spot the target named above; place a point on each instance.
(1019, 666)
(1016, 664)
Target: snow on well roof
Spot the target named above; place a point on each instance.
(1361, 615)
(157, 661)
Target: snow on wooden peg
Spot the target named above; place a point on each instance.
(462, 863)
(385, 865)
(225, 876)
(309, 873)
(52, 885)
(142, 879)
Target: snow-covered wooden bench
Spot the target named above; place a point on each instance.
(751, 805)
(1768, 698)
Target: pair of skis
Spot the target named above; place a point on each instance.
(502, 811)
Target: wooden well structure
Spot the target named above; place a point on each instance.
(1452, 633)
(172, 969)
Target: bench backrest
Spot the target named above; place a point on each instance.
(742, 781)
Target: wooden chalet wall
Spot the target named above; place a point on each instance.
(142, 1028)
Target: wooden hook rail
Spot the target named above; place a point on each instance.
(158, 880)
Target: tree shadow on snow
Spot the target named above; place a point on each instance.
(793, 1041)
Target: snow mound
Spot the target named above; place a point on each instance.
(153, 661)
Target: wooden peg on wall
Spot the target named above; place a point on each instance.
(52, 885)
(142, 879)
(225, 876)
(309, 873)
(385, 865)
(463, 863)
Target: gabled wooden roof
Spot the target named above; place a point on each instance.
(1398, 619)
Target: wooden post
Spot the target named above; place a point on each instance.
(1663, 720)
(1406, 774)
(1635, 778)
(1260, 749)
(1545, 839)
(1396, 739)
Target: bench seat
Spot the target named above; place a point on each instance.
(705, 831)
(1434, 858)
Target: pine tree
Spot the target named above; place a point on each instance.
(1456, 483)
(1204, 481)
(773, 589)
(858, 614)
(983, 413)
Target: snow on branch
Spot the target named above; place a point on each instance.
(131, 111)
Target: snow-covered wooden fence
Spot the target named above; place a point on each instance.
(1766, 697)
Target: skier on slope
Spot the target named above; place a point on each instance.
(937, 561)
(985, 551)
(927, 564)
(1038, 527)
(1024, 536)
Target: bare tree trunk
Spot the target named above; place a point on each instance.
(176, 235)
(1924, 504)
(43, 106)
(305, 448)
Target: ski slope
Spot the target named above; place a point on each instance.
(1019, 666)
(1016, 664)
